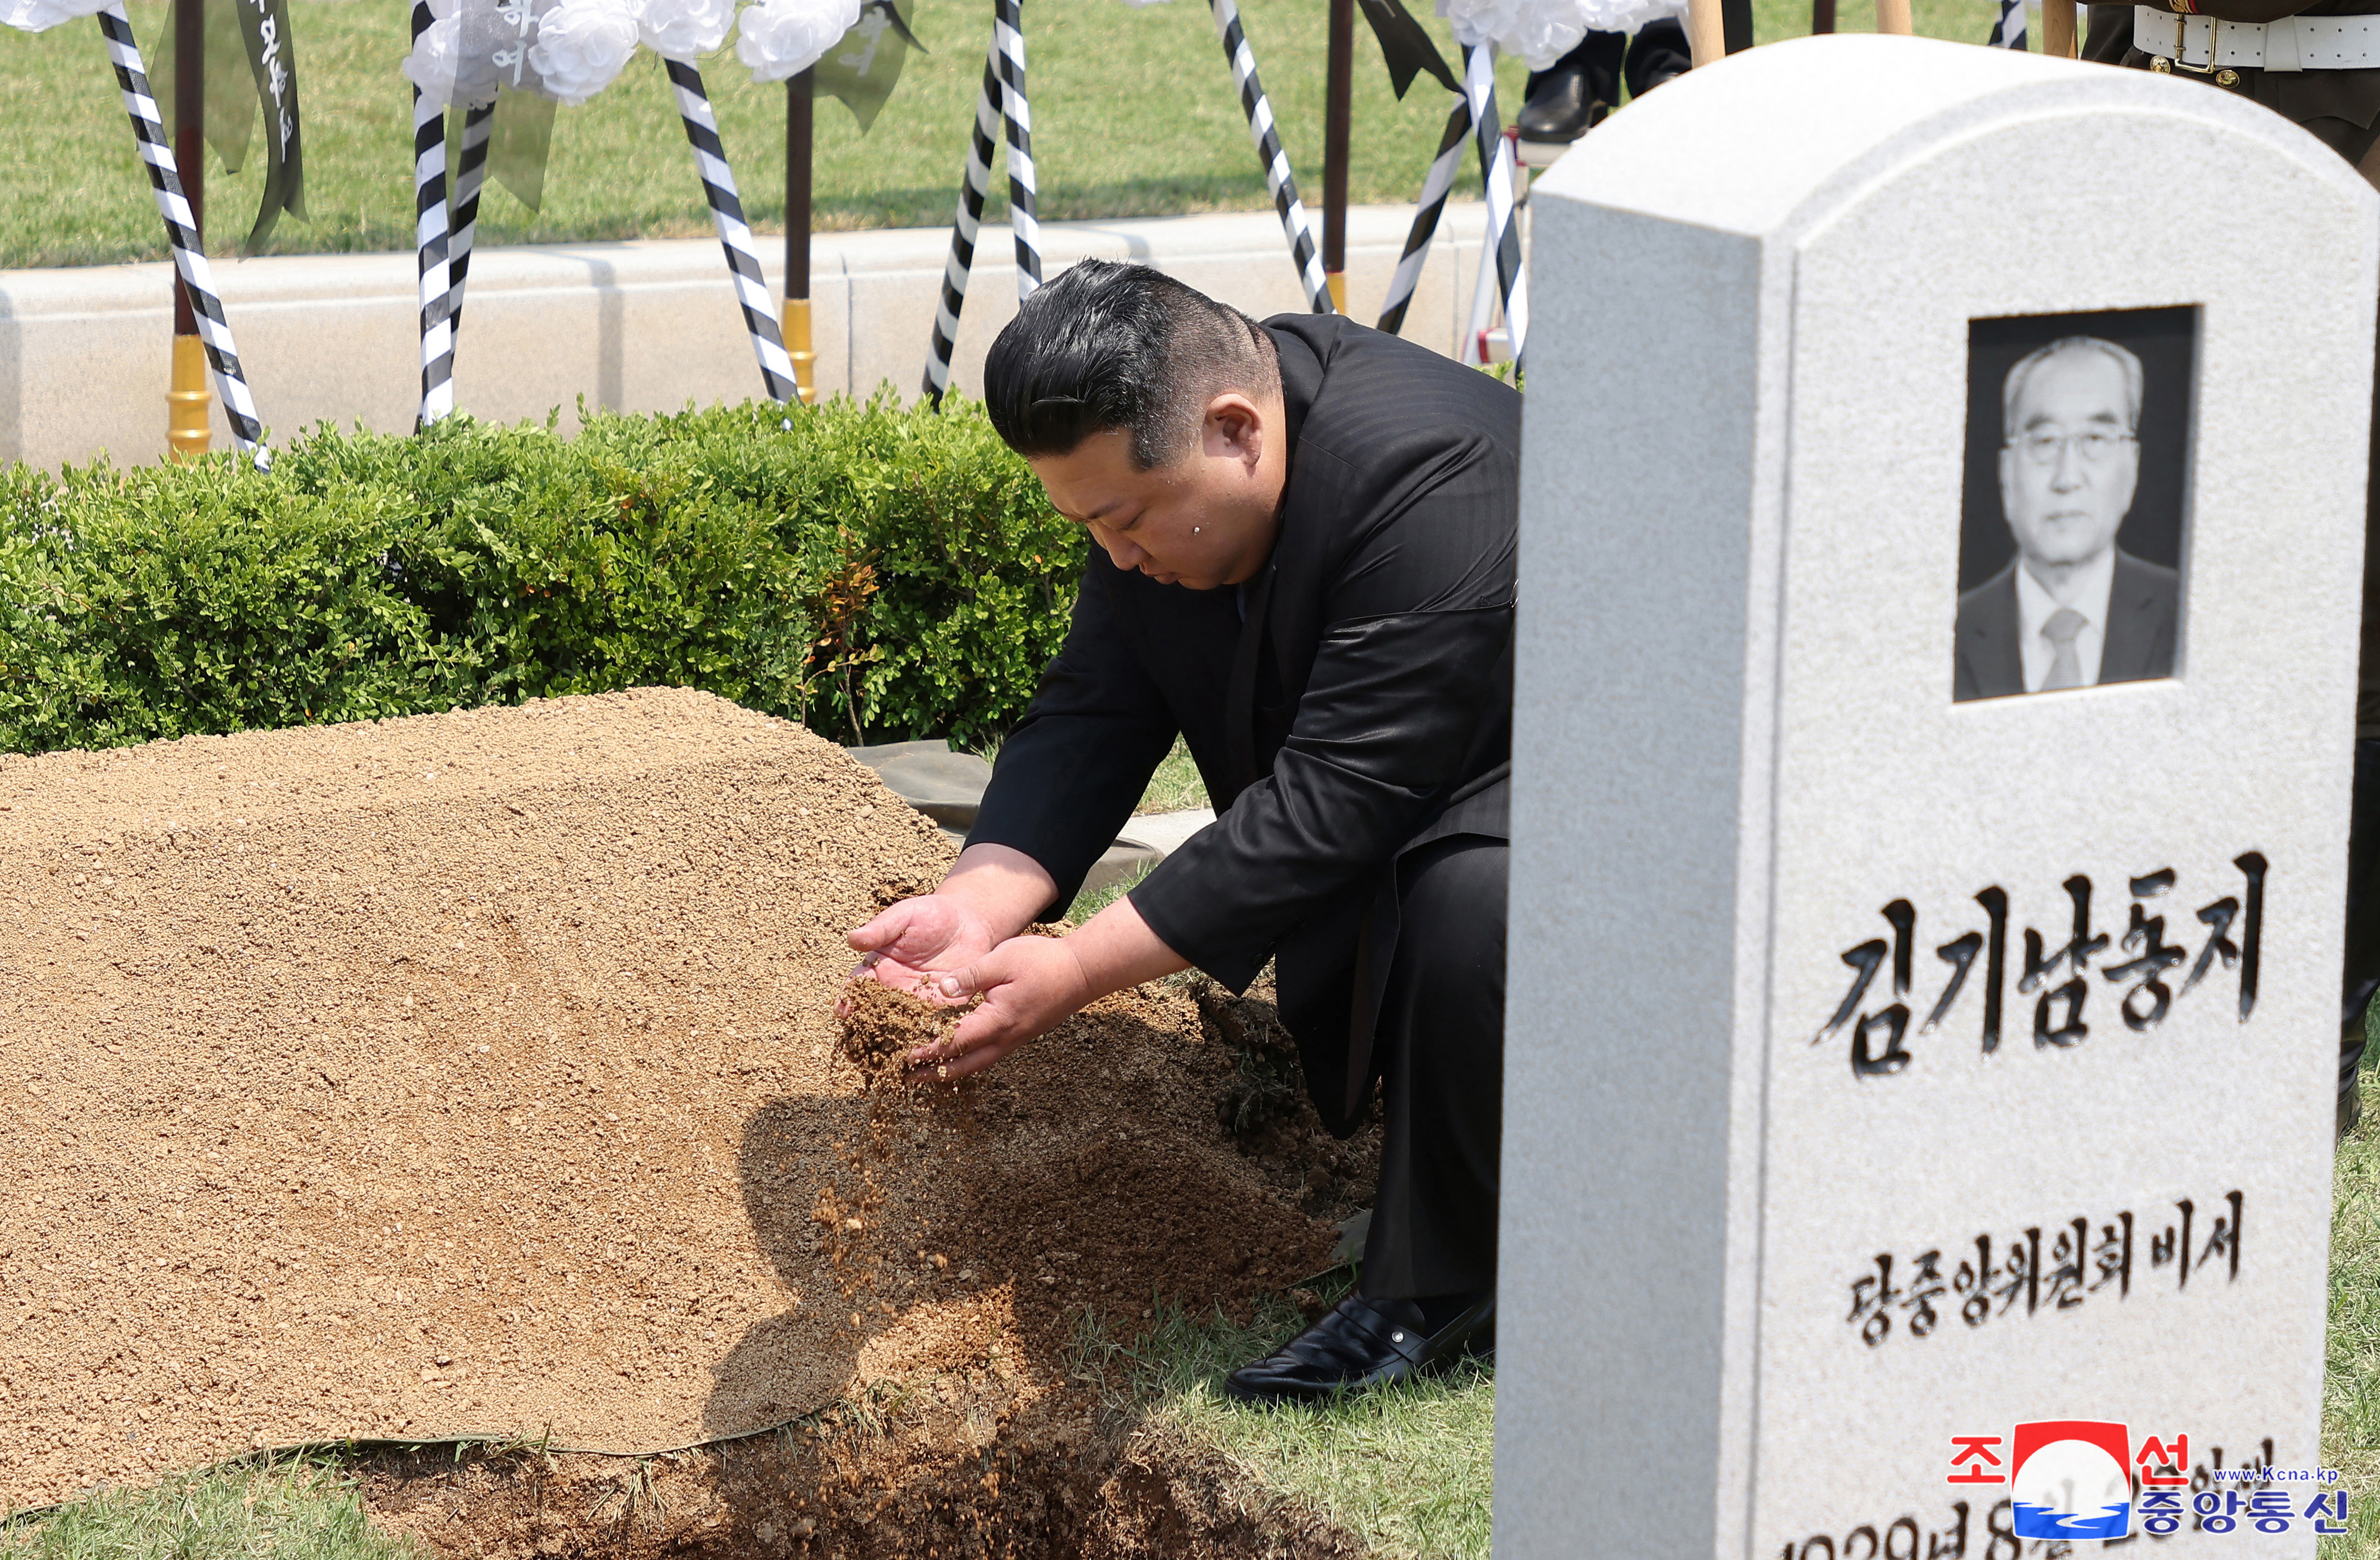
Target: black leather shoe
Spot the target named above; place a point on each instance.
(1560, 107)
(1359, 1345)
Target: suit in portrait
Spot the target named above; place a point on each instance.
(2144, 611)
(2073, 608)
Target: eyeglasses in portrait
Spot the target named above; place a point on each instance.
(2070, 541)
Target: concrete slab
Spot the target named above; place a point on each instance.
(1164, 832)
(650, 325)
(944, 785)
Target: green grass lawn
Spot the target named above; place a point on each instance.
(303, 1509)
(1408, 1470)
(1133, 114)
(2350, 1401)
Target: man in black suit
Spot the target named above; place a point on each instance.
(1304, 565)
(2073, 608)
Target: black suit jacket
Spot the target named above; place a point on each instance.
(1352, 701)
(2143, 610)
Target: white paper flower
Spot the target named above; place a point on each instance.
(582, 47)
(1539, 31)
(686, 29)
(780, 39)
(1626, 16)
(39, 16)
(430, 66)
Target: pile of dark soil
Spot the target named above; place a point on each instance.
(977, 1464)
(479, 1073)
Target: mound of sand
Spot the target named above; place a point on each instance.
(479, 1073)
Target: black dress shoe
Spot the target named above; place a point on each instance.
(1360, 1345)
(1560, 108)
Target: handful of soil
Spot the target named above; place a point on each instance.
(881, 1026)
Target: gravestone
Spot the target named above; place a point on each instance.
(1924, 1015)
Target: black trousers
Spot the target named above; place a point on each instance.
(1658, 51)
(1439, 1051)
(2362, 971)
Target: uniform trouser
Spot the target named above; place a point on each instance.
(1439, 1046)
(1656, 53)
(2363, 969)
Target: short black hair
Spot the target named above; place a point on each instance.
(1106, 346)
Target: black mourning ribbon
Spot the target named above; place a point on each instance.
(864, 64)
(254, 32)
(1406, 45)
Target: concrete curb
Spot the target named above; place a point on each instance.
(643, 326)
(947, 786)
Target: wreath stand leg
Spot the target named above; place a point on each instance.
(430, 235)
(1278, 177)
(794, 322)
(1501, 249)
(471, 178)
(1024, 199)
(734, 234)
(181, 234)
(969, 222)
(1435, 186)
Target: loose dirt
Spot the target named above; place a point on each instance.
(478, 1073)
(967, 1467)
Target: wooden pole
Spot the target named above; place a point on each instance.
(2057, 28)
(1735, 23)
(187, 399)
(796, 321)
(1339, 91)
(1706, 32)
(1892, 16)
(1822, 15)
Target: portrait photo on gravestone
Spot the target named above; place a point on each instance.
(2071, 555)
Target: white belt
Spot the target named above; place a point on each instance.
(2290, 43)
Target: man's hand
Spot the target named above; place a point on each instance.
(1030, 985)
(919, 936)
(989, 895)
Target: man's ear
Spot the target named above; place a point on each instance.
(1235, 428)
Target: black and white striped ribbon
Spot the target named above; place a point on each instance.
(1502, 246)
(973, 187)
(734, 237)
(1435, 186)
(471, 178)
(182, 234)
(1278, 177)
(2008, 33)
(1024, 201)
(431, 235)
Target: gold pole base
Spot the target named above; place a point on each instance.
(1337, 282)
(189, 401)
(794, 322)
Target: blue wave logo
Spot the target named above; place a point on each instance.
(2049, 1522)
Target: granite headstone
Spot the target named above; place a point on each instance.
(1941, 521)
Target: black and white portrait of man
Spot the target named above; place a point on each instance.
(2072, 606)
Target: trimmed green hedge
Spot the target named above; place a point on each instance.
(873, 567)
